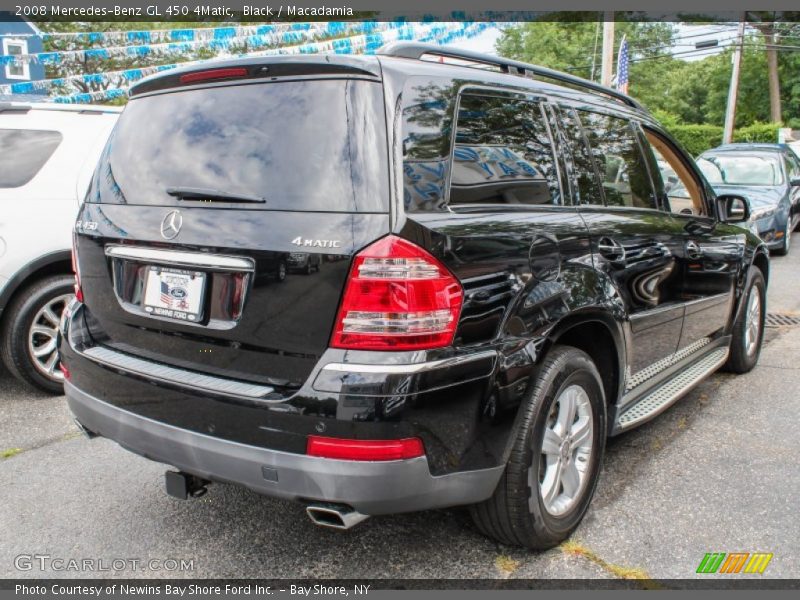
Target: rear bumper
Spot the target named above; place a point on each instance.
(371, 488)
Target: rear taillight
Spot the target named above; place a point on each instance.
(75, 269)
(327, 447)
(397, 297)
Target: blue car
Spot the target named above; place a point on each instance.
(768, 175)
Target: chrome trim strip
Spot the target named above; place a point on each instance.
(672, 390)
(146, 368)
(181, 258)
(409, 368)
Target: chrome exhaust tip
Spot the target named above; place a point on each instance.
(82, 428)
(335, 516)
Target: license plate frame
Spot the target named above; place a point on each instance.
(175, 294)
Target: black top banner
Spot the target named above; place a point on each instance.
(446, 10)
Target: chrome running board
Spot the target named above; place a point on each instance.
(137, 366)
(671, 390)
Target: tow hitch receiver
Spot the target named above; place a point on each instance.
(182, 485)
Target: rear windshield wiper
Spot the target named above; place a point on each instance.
(212, 195)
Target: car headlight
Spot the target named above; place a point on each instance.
(762, 213)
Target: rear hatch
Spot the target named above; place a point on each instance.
(204, 199)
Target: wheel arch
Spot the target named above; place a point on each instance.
(54, 263)
(594, 333)
(761, 260)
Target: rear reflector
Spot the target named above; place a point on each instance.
(327, 447)
(398, 297)
(75, 270)
(212, 74)
(65, 371)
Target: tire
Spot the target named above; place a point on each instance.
(783, 249)
(18, 341)
(743, 355)
(517, 513)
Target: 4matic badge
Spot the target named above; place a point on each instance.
(302, 242)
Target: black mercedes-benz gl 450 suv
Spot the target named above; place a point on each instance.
(503, 281)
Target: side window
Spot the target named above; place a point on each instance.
(792, 166)
(588, 187)
(503, 154)
(23, 152)
(619, 159)
(677, 185)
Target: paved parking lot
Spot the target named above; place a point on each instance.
(717, 473)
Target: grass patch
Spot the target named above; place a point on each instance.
(621, 572)
(506, 565)
(11, 452)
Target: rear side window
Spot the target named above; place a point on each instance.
(503, 154)
(299, 145)
(23, 152)
(619, 160)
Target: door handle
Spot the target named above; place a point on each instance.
(693, 250)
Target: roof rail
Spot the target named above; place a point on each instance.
(416, 51)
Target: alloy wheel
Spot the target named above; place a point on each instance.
(566, 450)
(752, 325)
(42, 337)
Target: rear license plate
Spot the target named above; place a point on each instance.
(174, 293)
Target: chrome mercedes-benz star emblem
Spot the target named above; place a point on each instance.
(171, 225)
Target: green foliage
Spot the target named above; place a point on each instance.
(699, 138)
(681, 93)
(757, 132)
(574, 46)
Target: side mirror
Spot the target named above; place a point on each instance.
(795, 181)
(733, 209)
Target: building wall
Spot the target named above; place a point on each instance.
(12, 29)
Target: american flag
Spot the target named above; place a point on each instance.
(622, 67)
(165, 297)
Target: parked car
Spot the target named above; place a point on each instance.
(513, 288)
(769, 176)
(304, 262)
(47, 156)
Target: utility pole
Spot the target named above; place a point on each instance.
(774, 81)
(607, 65)
(733, 90)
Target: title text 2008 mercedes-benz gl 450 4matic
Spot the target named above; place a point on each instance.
(499, 280)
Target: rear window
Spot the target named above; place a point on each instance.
(301, 146)
(23, 152)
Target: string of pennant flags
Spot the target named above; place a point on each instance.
(371, 36)
(214, 38)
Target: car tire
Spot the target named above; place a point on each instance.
(40, 306)
(748, 329)
(783, 249)
(518, 512)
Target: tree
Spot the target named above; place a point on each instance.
(574, 46)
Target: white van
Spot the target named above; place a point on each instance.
(47, 156)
